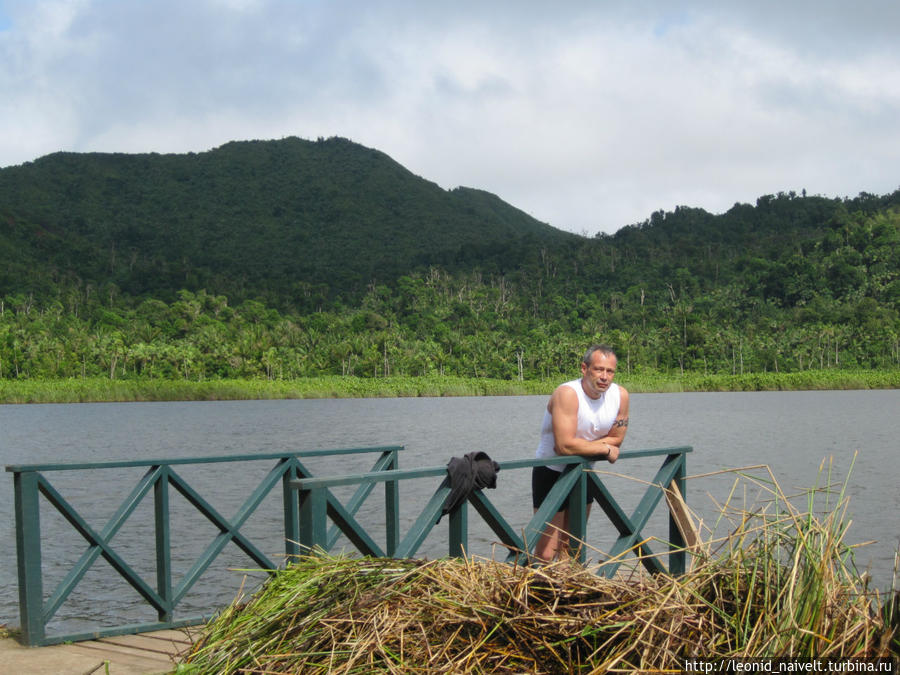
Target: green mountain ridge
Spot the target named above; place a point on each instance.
(253, 214)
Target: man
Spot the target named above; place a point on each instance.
(586, 417)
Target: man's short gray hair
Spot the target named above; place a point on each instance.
(606, 350)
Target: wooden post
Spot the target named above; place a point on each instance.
(459, 530)
(163, 544)
(28, 554)
(291, 505)
(392, 509)
(578, 514)
(313, 513)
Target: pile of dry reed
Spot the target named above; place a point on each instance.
(779, 585)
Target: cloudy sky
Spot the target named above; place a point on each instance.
(589, 115)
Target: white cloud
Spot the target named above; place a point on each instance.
(585, 115)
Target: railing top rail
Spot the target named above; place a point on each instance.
(426, 472)
(22, 468)
(625, 454)
(651, 452)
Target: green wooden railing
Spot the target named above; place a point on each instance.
(31, 481)
(318, 505)
(308, 504)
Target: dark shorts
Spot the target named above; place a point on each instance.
(542, 481)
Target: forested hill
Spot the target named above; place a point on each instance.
(281, 220)
(293, 258)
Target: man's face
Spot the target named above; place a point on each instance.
(597, 375)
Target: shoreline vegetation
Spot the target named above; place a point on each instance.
(100, 389)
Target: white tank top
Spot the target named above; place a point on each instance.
(595, 419)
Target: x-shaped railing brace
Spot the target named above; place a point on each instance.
(159, 478)
(317, 504)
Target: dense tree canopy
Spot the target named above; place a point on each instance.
(296, 258)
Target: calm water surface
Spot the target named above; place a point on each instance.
(791, 432)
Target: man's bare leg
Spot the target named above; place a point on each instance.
(554, 541)
(553, 538)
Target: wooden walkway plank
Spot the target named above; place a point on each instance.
(148, 643)
(143, 654)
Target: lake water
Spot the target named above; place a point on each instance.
(791, 432)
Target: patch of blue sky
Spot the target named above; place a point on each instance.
(670, 20)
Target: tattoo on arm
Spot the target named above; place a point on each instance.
(623, 422)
